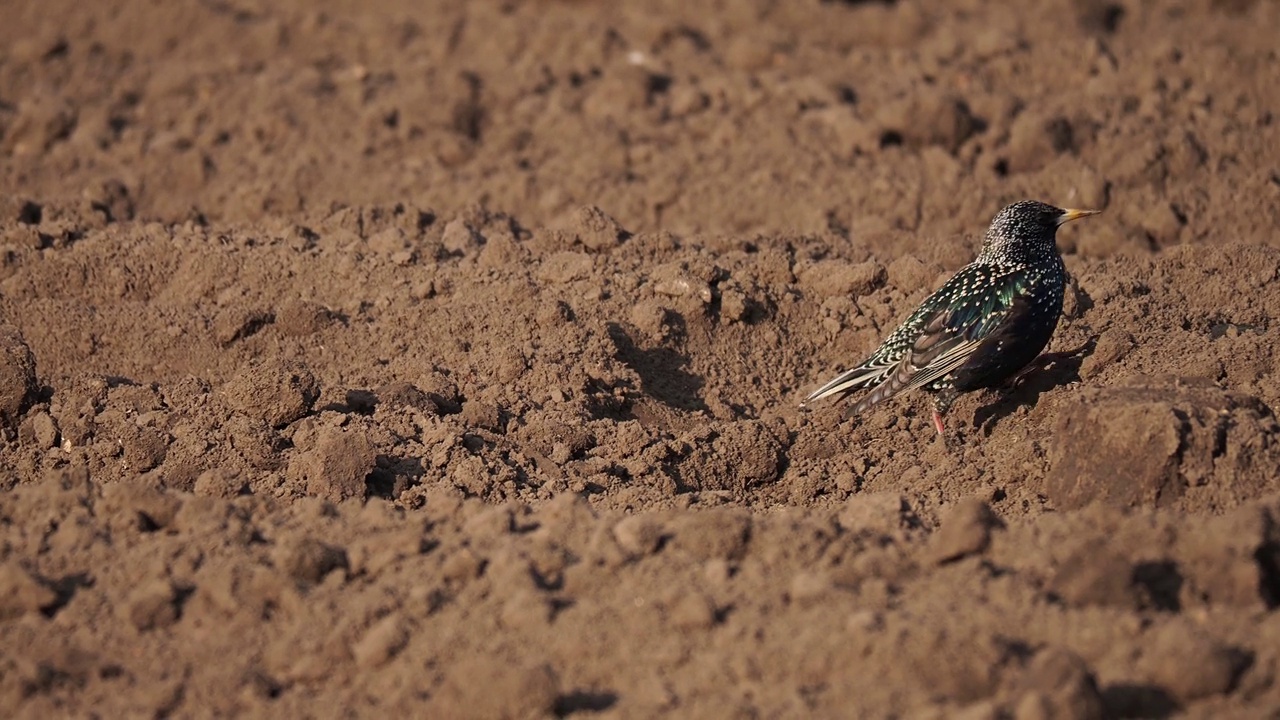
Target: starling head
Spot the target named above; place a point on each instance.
(1025, 230)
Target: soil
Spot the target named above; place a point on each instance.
(445, 359)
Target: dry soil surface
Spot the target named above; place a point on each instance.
(444, 359)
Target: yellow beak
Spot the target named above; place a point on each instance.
(1069, 215)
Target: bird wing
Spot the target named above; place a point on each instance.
(942, 347)
(949, 335)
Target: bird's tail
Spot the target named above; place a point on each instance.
(893, 383)
(848, 381)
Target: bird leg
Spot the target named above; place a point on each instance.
(942, 401)
(941, 404)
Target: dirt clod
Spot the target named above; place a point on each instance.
(277, 393)
(153, 606)
(307, 560)
(1095, 574)
(21, 592)
(338, 467)
(1190, 664)
(17, 376)
(638, 535)
(381, 642)
(966, 530)
(1059, 686)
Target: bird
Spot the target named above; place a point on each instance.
(984, 326)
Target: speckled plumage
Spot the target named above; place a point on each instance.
(990, 320)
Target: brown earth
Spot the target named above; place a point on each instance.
(443, 358)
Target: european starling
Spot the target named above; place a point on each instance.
(988, 322)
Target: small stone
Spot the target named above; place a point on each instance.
(966, 530)
(681, 287)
